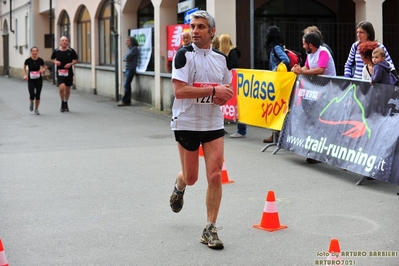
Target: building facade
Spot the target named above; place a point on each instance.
(100, 42)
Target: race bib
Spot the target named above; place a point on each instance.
(63, 72)
(206, 99)
(34, 74)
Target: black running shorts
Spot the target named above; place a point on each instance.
(191, 140)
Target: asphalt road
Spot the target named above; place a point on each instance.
(92, 187)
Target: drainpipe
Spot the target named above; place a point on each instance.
(32, 39)
(11, 17)
(9, 67)
(52, 37)
(116, 35)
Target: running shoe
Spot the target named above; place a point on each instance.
(210, 237)
(176, 199)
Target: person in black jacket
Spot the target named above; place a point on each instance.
(233, 54)
(131, 59)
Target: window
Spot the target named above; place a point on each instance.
(84, 36)
(65, 26)
(145, 14)
(107, 39)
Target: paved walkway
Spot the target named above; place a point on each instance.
(92, 187)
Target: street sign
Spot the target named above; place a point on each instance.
(187, 15)
(184, 6)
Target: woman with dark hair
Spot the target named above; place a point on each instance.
(354, 64)
(274, 45)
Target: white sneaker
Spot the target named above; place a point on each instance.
(37, 112)
(237, 135)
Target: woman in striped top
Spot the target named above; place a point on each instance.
(354, 64)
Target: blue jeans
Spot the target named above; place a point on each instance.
(129, 75)
(242, 129)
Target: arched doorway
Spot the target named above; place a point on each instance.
(6, 70)
(292, 17)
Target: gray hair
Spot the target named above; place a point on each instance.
(204, 14)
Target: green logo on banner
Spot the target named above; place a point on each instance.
(140, 38)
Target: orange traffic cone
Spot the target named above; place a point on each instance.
(201, 151)
(334, 252)
(270, 221)
(3, 259)
(225, 176)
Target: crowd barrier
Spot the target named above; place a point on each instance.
(343, 122)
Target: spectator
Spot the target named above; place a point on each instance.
(186, 38)
(318, 62)
(322, 43)
(131, 59)
(354, 64)
(215, 43)
(382, 69)
(275, 47)
(232, 53)
(365, 50)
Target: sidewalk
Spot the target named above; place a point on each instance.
(92, 187)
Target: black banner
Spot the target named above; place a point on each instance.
(346, 123)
